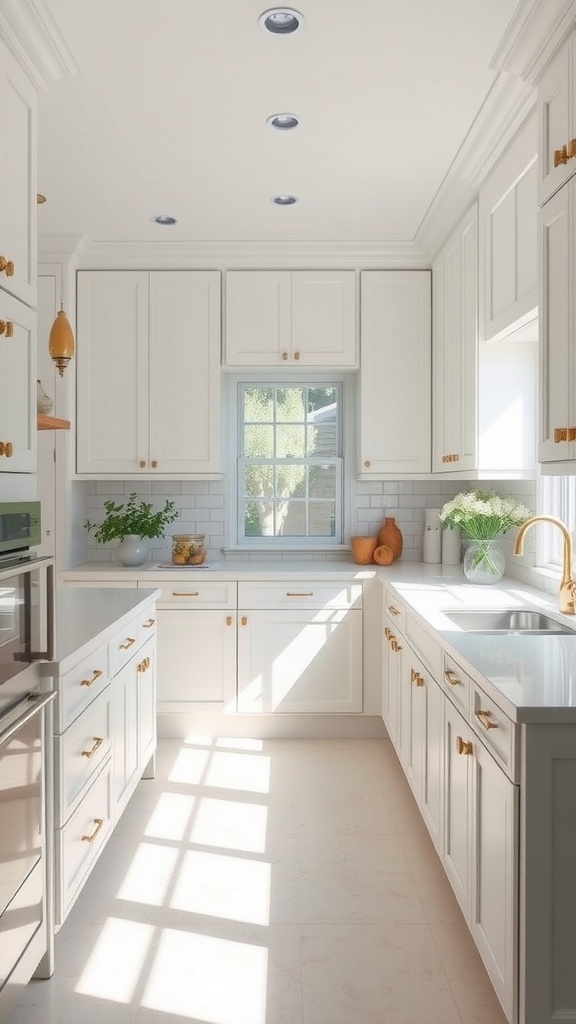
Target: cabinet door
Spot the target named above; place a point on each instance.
(298, 661)
(146, 683)
(18, 206)
(395, 372)
(184, 372)
(494, 889)
(555, 129)
(432, 788)
(17, 387)
(391, 682)
(112, 372)
(459, 743)
(556, 315)
(455, 350)
(124, 709)
(324, 318)
(258, 317)
(196, 659)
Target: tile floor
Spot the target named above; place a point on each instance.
(267, 882)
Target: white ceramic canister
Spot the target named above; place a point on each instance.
(432, 540)
(451, 546)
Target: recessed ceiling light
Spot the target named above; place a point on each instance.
(283, 122)
(163, 218)
(281, 21)
(284, 200)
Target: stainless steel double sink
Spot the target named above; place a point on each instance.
(508, 620)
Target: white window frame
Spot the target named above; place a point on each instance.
(272, 545)
(557, 498)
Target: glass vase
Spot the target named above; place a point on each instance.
(484, 561)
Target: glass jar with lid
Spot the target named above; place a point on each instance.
(188, 549)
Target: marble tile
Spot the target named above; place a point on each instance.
(471, 987)
(383, 974)
(439, 902)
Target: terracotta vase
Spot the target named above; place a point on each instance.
(363, 549)
(390, 535)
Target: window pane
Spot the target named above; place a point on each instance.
(258, 480)
(259, 441)
(323, 439)
(322, 516)
(290, 442)
(290, 406)
(290, 480)
(252, 523)
(322, 482)
(258, 405)
(295, 519)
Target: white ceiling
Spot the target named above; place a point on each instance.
(167, 115)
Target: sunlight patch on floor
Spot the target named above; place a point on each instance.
(231, 888)
(114, 968)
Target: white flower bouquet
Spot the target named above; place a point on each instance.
(483, 515)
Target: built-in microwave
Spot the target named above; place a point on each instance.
(19, 530)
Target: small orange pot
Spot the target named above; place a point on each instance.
(363, 549)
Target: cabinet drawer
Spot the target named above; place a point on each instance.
(80, 686)
(496, 730)
(394, 610)
(147, 625)
(79, 754)
(426, 647)
(79, 842)
(196, 594)
(300, 594)
(457, 685)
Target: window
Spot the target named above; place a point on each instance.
(290, 464)
(558, 499)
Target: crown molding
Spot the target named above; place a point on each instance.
(536, 29)
(31, 33)
(86, 254)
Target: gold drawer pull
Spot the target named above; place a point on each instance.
(7, 449)
(284, 356)
(484, 717)
(6, 266)
(7, 328)
(129, 641)
(185, 593)
(296, 356)
(228, 620)
(95, 675)
(293, 593)
(149, 624)
(571, 434)
(452, 678)
(98, 741)
(416, 677)
(244, 620)
(393, 610)
(154, 463)
(387, 632)
(142, 464)
(560, 156)
(571, 149)
(464, 746)
(90, 839)
(396, 647)
(143, 665)
(560, 434)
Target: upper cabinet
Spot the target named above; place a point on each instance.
(557, 121)
(18, 245)
(508, 210)
(148, 373)
(290, 318)
(455, 349)
(17, 396)
(395, 373)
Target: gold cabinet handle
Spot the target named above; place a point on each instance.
(484, 717)
(571, 434)
(95, 675)
(396, 647)
(129, 641)
(185, 593)
(571, 149)
(142, 464)
(143, 665)
(98, 741)
(284, 356)
(304, 593)
(560, 156)
(244, 620)
(393, 610)
(149, 623)
(154, 464)
(416, 677)
(387, 632)
(6, 449)
(90, 839)
(452, 678)
(296, 356)
(464, 746)
(6, 266)
(228, 620)
(367, 464)
(560, 434)
(7, 328)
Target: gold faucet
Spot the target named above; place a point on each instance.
(567, 583)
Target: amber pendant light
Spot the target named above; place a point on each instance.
(61, 341)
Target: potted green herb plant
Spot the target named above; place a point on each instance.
(132, 524)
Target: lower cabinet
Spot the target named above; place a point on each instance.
(196, 659)
(105, 736)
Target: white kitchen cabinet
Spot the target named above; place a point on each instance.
(395, 373)
(457, 850)
(18, 169)
(290, 318)
(133, 709)
(508, 208)
(148, 374)
(299, 648)
(391, 681)
(556, 107)
(455, 349)
(17, 386)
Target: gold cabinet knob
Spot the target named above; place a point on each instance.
(244, 620)
(284, 356)
(296, 356)
(464, 746)
(367, 464)
(6, 266)
(2, 448)
(154, 464)
(228, 620)
(9, 329)
(560, 156)
(560, 434)
(142, 464)
(571, 149)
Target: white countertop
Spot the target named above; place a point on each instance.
(83, 615)
(227, 569)
(532, 678)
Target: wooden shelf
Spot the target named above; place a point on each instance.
(52, 423)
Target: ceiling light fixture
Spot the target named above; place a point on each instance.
(281, 21)
(163, 218)
(283, 122)
(61, 341)
(284, 200)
